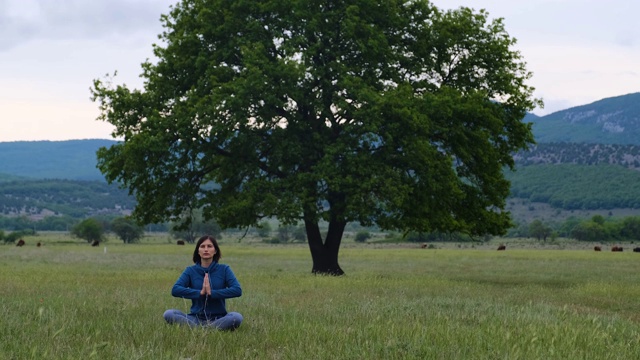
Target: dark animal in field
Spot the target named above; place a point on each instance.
(597, 248)
(502, 247)
(616, 248)
(180, 242)
(636, 249)
(38, 244)
(20, 243)
(95, 243)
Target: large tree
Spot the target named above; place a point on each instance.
(382, 112)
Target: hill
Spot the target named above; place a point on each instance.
(627, 156)
(37, 199)
(614, 120)
(72, 159)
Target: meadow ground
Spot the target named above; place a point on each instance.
(67, 300)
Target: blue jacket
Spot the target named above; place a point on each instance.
(224, 285)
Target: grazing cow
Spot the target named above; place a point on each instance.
(180, 242)
(616, 248)
(20, 243)
(423, 246)
(502, 247)
(95, 243)
(597, 248)
(38, 244)
(636, 249)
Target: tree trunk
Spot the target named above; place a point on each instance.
(325, 255)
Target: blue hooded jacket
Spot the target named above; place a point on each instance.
(224, 285)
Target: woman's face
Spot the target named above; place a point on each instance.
(206, 250)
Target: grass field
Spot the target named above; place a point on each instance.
(67, 300)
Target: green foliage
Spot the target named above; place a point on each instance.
(630, 228)
(540, 231)
(596, 229)
(12, 237)
(362, 236)
(285, 232)
(300, 233)
(194, 225)
(264, 229)
(127, 230)
(71, 198)
(378, 112)
(569, 186)
(89, 229)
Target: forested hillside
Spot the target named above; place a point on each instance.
(614, 120)
(73, 159)
(77, 199)
(627, 156)
(570, 186)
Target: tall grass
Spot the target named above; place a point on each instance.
(72, 301)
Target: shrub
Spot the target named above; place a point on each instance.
(362, 236)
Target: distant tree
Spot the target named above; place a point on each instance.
(539, 230)
(300, 233)
(362, 236)
(264, 229)
(13, 236)
(1, 235)
(631, 228)
(568, 225)
(56, 223)
(285, 232)
(89, 229)
(127, 230)
(393, 113)
(589, 231)
(22, 223)
(193, 225)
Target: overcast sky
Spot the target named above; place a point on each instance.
(579, 51)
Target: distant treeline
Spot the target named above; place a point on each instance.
(595, 229)
(63, 223)
(573, 187)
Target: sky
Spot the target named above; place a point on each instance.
(579, 51)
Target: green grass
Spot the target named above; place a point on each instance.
(72, 301)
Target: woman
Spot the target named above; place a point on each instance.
(207, 284)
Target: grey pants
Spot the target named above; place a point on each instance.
(228, 322)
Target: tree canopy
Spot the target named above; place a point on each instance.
(89, 229)
(127, 230)
(385, 112)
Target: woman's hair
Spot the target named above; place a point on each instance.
(196, 254)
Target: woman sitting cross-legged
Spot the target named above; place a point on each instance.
(208, 284)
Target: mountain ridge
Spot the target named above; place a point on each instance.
(613, 120)
(45, 159)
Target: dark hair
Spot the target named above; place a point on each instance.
(196, 255)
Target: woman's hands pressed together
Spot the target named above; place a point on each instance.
(206, 286)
